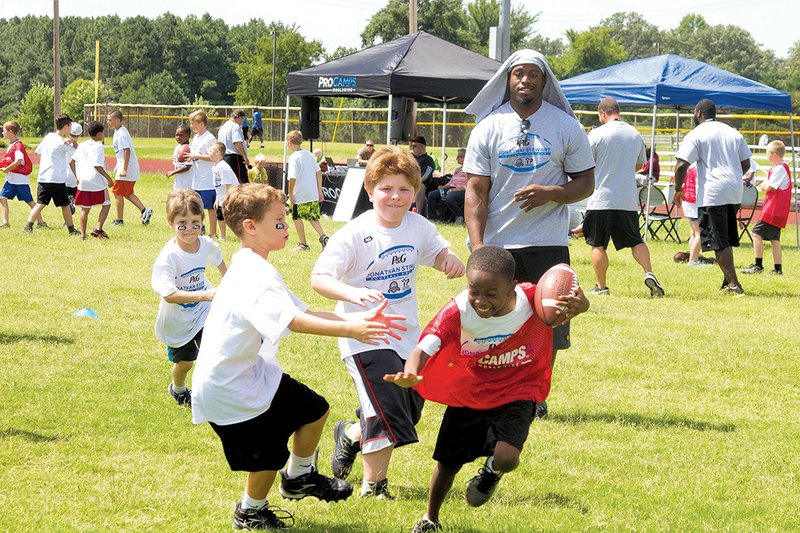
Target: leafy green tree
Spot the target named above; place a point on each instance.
(551, 48)
(483, 14)
(161, 88)
(445, 19)
(294, 52)
(587, 51)
(36, 110)
(789, 74)
(634, 33)
(340, 51)
(77, 94)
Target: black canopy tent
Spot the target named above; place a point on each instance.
(418, 66)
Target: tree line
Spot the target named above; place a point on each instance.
(201, 60)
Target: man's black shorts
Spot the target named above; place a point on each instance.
(718, 226)
(600, 226)
(767, 231)
(534, 261)
(466, 434)
(52, 191)
(260, 443)
(187, 352)
(236, 162)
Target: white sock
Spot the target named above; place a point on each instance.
(299, 465)
(177, 389)
(252, 503)
(490, 464)
(353, 432)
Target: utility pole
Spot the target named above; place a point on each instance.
(505, 29)
(56, 63)
(272, 94)
(412, 16)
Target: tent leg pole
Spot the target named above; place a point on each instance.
(650, 174)
(793, 183)
(285, 133)
(444, 135)
(389, 123)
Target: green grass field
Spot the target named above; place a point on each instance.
(676, 414)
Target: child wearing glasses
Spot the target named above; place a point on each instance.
(179, 277)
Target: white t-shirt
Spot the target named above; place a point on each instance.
(13, 177)
(302, 167)
(557, 145)
(617, 149)
(184, 179)
(719, 151)
(778, 178)
(202, 177)
(72, 179)
(223, 175)
(122, 140)
(365, 254)
(237, 371)
(176, 270)
(87, 156)
(53, 159)
(479, 334)
(230, 133)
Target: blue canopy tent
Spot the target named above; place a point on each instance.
(673, 80)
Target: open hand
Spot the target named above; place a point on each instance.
(403, 379)
(388, 321)
(362, 295)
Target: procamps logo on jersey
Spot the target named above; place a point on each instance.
(337, 84)
(392, 271)
(531, 155)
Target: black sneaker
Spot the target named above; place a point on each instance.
(183, 398)
(541, 411)
(323, 241)
(73, 232)
(651, 282)
(732, 290)
(344, 450)
(774, 272)
(99, 234)
(377, 489)
(753, 269)
(265, 518)
(327, 489)
(117, 223)
(481, 487)
(426, 525)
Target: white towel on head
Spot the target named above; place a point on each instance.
(493, 94)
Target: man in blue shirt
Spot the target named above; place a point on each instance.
(257, 130)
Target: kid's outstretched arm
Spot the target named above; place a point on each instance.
(449, 263)
(409, 377)
(332, 288)
(332, 325)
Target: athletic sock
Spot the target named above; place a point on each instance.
(490, 464)
(778, 267)
(353, 432)
(252, 503)
(760, 262)
(299, 465)
(177, 389)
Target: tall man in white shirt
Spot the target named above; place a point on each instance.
(232, 136)
(722, 158)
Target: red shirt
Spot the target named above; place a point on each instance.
(690, 185)
(777, 202)
(26, 167)
(518, 368)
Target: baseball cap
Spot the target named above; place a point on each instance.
(76, 130)
(419, 139)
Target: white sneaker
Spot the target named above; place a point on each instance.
(656, 290)
(147, 214)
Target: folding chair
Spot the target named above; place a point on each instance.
(662, 215)
(746, 210)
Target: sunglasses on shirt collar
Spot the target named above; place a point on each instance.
(522, 138)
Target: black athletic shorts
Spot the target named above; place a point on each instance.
(236, 162)
(767, 231)
(220, 218)
(600, 226)
(466, 434)
(52, 191)
(187, 352)
(388, 413)
(261, 443)
(718, 226)
(534, 261)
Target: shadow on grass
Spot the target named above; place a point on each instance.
(27, 435)
(10, 338)
(552, 499)
(641, 421)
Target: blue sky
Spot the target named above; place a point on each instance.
(340, 22)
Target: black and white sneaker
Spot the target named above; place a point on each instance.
(147, 214)
(327, 489)
(265, 518)
(752, 269)
(377, 489)
(183, 398)
(424, 525)
(656, 290)
(323, 241)
(344, 450)
(540, 411)
(597, 291)
(481, 487)
(117, 223)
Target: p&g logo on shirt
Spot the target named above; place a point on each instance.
(533, 155)
(392, 271)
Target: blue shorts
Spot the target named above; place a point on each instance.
(209, 197)
(20, 192)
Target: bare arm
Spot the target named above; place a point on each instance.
(580, 186)
(319, 186)
(126, 158)
(242, 151)
(222, 267)
(369, 327)
(178, 170)
(745, 166)
(447, 262)
(17, 163)
(681, 166)
(476, 208)
(100, 170)
(332, 288)
(410, 374)
(292, 183)
(185, 297)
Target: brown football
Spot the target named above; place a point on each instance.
(559, 280)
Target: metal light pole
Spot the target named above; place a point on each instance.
(272, 95)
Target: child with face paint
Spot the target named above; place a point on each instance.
(179, 277)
